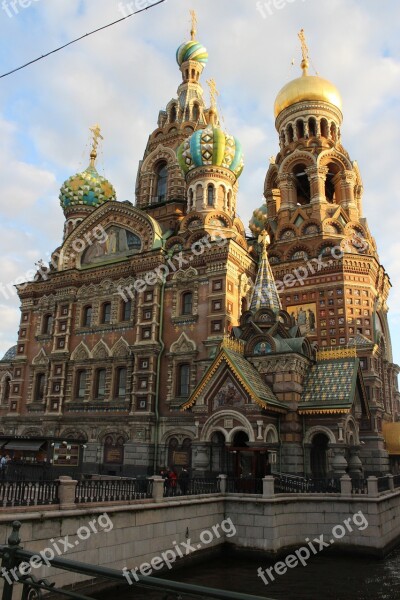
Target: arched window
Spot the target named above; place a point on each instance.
(210, 195)
(302, 185)
(333, 132)
(300, 129)
(183, 380)
(187, 303)
(324, 128)
(196, 112)
(7, 389)
(100, 390)
(162, 179)
(173, 114)
(290, 134)
(81, 384)
(39, 387)
(126, 310)
(87, 316)
(312, 127)
(47, 324)
(120, 387)
(106, 313)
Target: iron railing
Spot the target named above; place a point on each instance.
(244, 485)
(359, 486)
(291, 484)
(112, 490)
(383, 484)
(33, 588)
(396, 481)
(192, 487)
(28, 493)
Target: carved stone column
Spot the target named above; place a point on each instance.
(317, 179)
(288, 191)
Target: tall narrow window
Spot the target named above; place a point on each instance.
(7, 388)
(81, 384)
(47, 324)
(162, 179)
(100, 391)
(196, 112)
(121, 383)
(39, 387)
(183, 380)
(87, 316)
(106, 313)
(187, 303)
(126, 310)
(210, 195)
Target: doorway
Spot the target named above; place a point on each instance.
(319, 456)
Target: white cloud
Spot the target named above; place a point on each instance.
(124, 75)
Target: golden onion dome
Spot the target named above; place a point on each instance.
(307, 87)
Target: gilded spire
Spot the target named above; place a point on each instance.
(96, 137)
(265, 293)
(305, 63)
(193, 31)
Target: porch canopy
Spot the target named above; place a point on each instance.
(32, 445)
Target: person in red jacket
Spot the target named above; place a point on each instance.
(172, 479)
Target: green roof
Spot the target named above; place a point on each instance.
(330, 385)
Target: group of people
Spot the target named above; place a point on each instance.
(174, 484)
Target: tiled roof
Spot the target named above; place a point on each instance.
(330, 385)
(10, 354)
(247, 375)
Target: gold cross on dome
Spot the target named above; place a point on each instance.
(96, 136)
(264, 240)
(304, 47)
(214, 93)
(194, 24)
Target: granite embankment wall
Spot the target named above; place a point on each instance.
(143, 530)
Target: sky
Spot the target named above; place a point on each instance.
(122, 76)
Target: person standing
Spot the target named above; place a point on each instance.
(4, 466)
(184, 481)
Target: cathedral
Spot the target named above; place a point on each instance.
(162, 334)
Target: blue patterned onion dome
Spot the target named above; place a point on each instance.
(87, 188)
(211, 146)
(191, 51)
(258, 221)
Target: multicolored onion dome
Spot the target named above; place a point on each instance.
(87, 188)
(211, 146)
(191, 51)
(258, 221)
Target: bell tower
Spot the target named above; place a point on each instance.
(323, 256)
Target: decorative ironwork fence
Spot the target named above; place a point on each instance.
(112, 490)
(28, 493)
(290, 484)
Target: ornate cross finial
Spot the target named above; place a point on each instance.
(264, 240)
(96, 137)
(214, 93)
(193, 31)
(304, 51)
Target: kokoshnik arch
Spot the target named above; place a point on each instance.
(204, 369)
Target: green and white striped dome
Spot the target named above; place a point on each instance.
(211, 146)
(191, 51)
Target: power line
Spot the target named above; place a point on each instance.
(81, 38)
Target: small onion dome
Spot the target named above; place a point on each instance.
(10, 354)
(211, 146)
(87, 188)
(258, 221)
(307, 87)
(191, 51)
